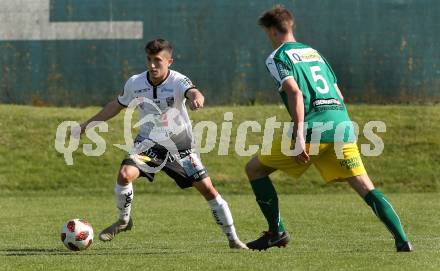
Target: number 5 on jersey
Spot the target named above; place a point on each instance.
(319, 78)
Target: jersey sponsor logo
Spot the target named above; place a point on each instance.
(166, 90)
(320, 105)
(283, 70)
(304, 55)
(330, 101)
(141, 90)
(296, 57)
(327, 108)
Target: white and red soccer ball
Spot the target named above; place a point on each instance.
(77, 234)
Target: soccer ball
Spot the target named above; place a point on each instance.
(77, 234)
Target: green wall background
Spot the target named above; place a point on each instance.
(381, 50)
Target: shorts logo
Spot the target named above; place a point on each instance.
(351, 163)
(191, 164)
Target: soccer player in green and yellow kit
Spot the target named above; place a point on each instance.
(309, 90)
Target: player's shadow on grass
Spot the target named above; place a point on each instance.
(33, 251)
(91, 252)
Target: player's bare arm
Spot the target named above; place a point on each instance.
(295, 100)
(107, 112)
(196, 99)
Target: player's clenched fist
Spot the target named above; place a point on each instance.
(196, 99)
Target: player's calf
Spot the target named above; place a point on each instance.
(223, 217)
(220, 211)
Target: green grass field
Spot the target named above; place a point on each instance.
(330, 232)
(31, 163)
(332, 228)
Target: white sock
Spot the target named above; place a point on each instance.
(124, 198)
(223, 217)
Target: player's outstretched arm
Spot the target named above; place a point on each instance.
(196, 99)
(107, 112)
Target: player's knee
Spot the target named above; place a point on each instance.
(127, 175)
(361, 184)
(255, 170)
(206, 189)
(252, 169)
(210, 194)
(249, 168)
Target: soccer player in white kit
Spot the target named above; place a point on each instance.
(160, 95)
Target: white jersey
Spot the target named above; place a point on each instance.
(162, 107)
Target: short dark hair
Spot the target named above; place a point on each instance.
(155, 46)
(279, 17)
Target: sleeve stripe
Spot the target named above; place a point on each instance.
(285, 78)
(270, 65)
(121, 103)
(184, 93)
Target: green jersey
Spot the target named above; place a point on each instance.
(324, 109)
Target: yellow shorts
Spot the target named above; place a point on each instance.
(326, 161)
